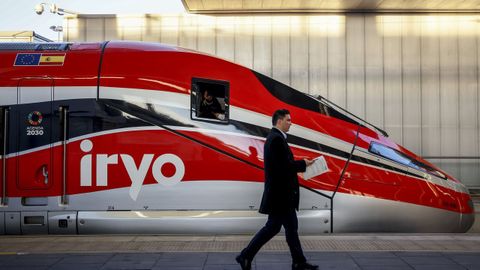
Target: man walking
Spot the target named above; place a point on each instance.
(281, 195)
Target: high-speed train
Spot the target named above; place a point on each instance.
(111, 138)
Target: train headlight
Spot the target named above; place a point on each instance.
(470, 204)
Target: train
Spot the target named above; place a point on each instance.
(110, 138)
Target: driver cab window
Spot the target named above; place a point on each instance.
(209, 100)
(394, 155)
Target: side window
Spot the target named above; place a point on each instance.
(210, 100)
(390, 153)
(401, 158)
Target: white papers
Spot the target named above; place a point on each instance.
(318, 167)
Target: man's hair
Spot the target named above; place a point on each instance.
(279, 114)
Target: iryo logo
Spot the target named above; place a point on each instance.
(136, 174)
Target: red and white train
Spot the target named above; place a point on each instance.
(109, 138)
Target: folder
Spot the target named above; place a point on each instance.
(318, 167)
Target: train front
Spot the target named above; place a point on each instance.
(387, 188)
(375, 184)
(399, 191)
(453, 195)
(447, 200)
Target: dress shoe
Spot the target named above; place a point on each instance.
(304, 266)
(246, 264)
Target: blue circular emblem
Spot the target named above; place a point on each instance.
(35, 118)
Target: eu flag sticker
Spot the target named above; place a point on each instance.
(27, 59)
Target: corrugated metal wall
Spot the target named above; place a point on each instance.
(417, 76)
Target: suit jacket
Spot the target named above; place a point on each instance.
(281, 191)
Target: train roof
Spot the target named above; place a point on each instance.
(71, 46)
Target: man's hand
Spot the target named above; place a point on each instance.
(308, 161)
(219, 116)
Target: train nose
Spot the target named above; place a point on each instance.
(467, 218)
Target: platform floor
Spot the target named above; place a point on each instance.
(226, 260)
(166, 252)
(333, 251)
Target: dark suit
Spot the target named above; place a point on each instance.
(280, 197)
(281, 192)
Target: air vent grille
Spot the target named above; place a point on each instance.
(20, 46)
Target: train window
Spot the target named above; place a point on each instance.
(432, 171)
(391, 154)
(394, 155)
(209, 100)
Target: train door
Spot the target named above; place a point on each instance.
(3, 152)
(33, 118)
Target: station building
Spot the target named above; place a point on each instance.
(22, 36)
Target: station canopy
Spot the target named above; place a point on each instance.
(299, 6)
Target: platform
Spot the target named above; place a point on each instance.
(188, 252)
(333, 251)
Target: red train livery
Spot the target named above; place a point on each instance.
(114, 137)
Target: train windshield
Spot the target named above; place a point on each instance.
(394, 155)
(296, 98)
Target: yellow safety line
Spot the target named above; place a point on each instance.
(8, 253)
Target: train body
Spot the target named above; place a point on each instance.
(110, 138)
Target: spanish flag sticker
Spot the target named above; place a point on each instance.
(50, 59)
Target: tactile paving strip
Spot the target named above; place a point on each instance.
(156, 243)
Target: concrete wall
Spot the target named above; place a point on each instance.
(416, 76)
